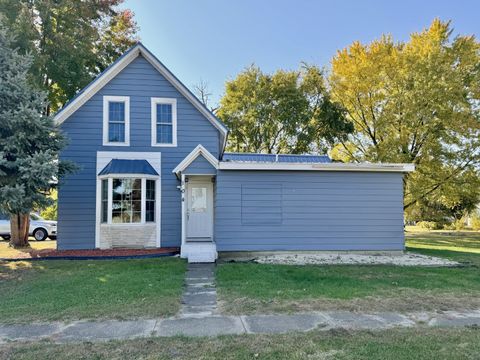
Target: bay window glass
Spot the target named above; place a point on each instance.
(150, 201)
(104, 200)
(127, 201)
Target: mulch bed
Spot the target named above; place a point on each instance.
(33, 254)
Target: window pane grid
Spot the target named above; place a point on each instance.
(126, 200)
(116, 121)
(104, 218)
(164, 124)
(150, 201)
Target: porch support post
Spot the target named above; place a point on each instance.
(183, 197)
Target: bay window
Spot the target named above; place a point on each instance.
(128, 200)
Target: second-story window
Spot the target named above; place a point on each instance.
(164, 122)
(116, 120)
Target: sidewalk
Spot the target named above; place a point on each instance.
(224, 325)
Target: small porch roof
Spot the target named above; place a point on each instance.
(199, 150)
(123, 166)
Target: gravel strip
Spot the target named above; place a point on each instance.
(406, 259)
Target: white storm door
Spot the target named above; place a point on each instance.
(199, 210)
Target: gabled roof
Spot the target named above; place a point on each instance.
(280, 158)
(124, 166)
(199, 150)
(114, 69)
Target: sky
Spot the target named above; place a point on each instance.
(213, 40)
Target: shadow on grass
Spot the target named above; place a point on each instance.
(459, 241)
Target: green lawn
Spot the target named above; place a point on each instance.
(459, 241)
(258, 288)
(398, 344)
(100, 289)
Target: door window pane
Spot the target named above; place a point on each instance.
(199, 199)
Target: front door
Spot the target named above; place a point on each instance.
(199, 210)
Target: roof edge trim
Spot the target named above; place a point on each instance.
(365, 167)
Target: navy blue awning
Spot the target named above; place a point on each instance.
(122, 166)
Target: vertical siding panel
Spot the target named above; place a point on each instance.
(140, 81)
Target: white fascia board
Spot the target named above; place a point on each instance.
(125, 176)
(241, 165)
(95, 86)
(183, 90)
(108, 75)
(199, 150)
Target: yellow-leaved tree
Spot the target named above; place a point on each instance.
(416, 102)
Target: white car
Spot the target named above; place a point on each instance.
(40, 228)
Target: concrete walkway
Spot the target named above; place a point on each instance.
(214, 325)
(200, 296)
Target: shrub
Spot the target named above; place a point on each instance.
(459, 224)
(429, 225)
(449, 226)
(475, 222)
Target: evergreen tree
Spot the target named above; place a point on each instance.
(29, 143)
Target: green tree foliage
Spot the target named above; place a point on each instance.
(71, 41)
(51, 211)
(29, 143)
(416, 102)
(289, 111)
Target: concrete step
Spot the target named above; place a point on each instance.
(202, 257)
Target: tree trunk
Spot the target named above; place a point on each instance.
(19, 229)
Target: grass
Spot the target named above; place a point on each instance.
(8, 252)
(398, 344)
(458, 241)
(97, 289)
(259, 288)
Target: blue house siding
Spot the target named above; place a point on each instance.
(308, 210)
(77, 198)
(200, 166)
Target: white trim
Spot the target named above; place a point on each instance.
(95, 86)
(110, 201)
(106, 101)
(143, 200)
(240, 165)
(206, 182)
(98, 213)
(199, 150)
(183, 90)
(103, 158)
(182, 194)
(158, 208)
(169, 101)
(145, 176)
(118, 66)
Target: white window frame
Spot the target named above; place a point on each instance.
(143, 178)
(170, 101)
(106, 101)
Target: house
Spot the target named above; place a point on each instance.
(154, 173)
